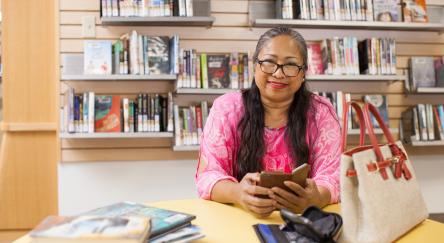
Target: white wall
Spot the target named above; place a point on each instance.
(430, 172)
(84, 186)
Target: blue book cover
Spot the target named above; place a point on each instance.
(162, 220)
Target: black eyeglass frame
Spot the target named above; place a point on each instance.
(281, 66)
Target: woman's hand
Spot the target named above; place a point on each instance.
(300, 198)
(248, 196)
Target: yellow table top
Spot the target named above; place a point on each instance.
(226, 223)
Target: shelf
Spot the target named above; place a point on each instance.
(159, 21)
(427, 143)
(430, 90)
(130, 77)
(116, 135)
(383, 78)
(186, 148)
(203, 91)
(370, 25)
(377, 131)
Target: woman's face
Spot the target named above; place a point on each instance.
(279, 87)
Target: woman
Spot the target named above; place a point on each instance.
(275, 125)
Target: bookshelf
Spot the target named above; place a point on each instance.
(205, 21)
(430, 90)
(129, 77)
(360, 25)
(427, 143)
(350, 132)
(116, 135)
(235, 27)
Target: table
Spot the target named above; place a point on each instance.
(227, 223)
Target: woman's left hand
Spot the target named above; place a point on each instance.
(300, 198)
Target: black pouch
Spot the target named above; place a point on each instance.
(314, 225)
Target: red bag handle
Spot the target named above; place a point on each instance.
(369, 108)
(358, 110)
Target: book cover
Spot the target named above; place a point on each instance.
(380, 102)
(414, 11)
(107, 114)
(386, 10)
(218, 69)
(162, 220)
(158, 54)
(97, 57)
(422, 72)
(439, 71)
(315, 63)
(92, 228)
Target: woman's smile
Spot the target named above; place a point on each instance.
(276, 85)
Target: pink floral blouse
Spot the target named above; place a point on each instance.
(220, 141)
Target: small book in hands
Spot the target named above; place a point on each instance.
(276, 179)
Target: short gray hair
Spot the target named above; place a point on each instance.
(282, 30)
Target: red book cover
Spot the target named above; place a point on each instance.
(107, 114)
(315, 65)
(199, 117)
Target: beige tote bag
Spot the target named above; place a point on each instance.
(380, 196)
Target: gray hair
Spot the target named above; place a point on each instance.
(282, 30)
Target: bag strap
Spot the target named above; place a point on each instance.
(399, 156)
(360, 115)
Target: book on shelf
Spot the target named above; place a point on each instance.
(380, 102)
(163, 221)
(189, 123)
(423, 122)
(153, 8)
(414, 11)
(422, 72)
(386, 10)
(315, 65)
(107, 113)
(347, 56)
(97, 57)
(439, 71)
(333, 10)
(132, 53)
(92, 228)
(207, 70)
(88, 113)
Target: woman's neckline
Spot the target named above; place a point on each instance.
(275, 128)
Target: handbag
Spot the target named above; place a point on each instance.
(313, 226)
(380, 196)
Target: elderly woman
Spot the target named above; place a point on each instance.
(275, 125)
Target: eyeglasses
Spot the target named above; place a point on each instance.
(289, 70)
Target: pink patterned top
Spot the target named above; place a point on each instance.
(220, 141)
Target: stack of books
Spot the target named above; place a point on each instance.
(124, 222)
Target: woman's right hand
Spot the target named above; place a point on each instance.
(248, 199)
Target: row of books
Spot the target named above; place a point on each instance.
(347, 55)
(426, 72)
(338, 99)
(146, 8)
(189, 123)
(132, 54)
(120, 222)
(89, 113)
(353, 10)
(214, 70)
(423, 122)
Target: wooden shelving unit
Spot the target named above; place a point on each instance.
(116, 135)
(159, 21)
(366, 25)
(186, 148)
(431, 90)
(427, 143)
(129, 77)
